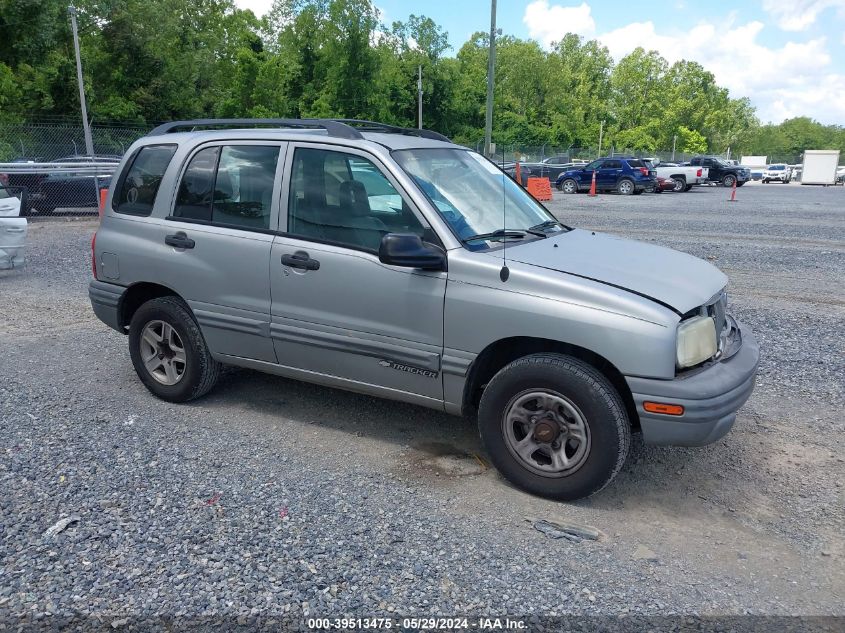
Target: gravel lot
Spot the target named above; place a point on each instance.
(271, 497)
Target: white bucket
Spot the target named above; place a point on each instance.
(12, 242)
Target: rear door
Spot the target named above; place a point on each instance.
(216, 242)
(337, 311)
(609, 174)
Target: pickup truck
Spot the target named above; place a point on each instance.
(684, 177)
(721, 171)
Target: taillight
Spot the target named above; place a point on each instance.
(698, 173)
(94, 255)
(644, 171)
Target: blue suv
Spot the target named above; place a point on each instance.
(625, 175)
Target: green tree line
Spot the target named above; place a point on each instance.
(148, 61)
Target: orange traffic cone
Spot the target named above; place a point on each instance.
(518, 173)
(593, 184)
(102, 206)
(733, 193)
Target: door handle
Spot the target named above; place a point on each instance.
(179, 240)
(300, 259)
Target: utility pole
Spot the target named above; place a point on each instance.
(601, 135)
(419, 97)
(674, 139)
(491, 68)
(89, 142)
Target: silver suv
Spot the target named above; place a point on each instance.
(395, 263)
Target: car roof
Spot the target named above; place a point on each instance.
(392, 141)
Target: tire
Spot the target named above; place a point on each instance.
(729, 180)
(638, 192)
(626, 187)
(593, 408)
(569, 186)
(739, 184)
(680, 184)
(688, 188)
(765, 182)
(199, 371)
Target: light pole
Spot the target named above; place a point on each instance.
(419, 97)
(491, 68)
(89, 143)
(601, 134)
(674, 139)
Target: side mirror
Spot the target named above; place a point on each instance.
(408, 250)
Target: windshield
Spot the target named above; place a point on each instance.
(777, 167)
(472, 195)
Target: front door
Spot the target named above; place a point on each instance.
(216, 244)
(337, 311)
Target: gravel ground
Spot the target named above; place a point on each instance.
(272, 497)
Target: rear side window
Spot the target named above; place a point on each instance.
(636, 163)
(136, 192)
(229, 186)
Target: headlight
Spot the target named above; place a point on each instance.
(696, 341)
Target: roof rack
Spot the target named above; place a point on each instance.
(340, 128)
(332, 127)
(374, 126)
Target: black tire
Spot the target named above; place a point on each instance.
(593, 396)
(688, 188)
(626, 187)
(569, 185)
(765, 182)
(200, 371)
(728, 180)
(739, 184)
(680, 184)
(638, 192)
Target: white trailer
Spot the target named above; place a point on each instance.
(820, 167)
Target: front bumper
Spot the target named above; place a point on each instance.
(105, 300)
(710, 397)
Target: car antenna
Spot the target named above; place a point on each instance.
(505, 272)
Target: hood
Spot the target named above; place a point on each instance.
(675, 279)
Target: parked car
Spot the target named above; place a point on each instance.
(721, 171)
(560, 349)
(840, 174)
(54, 187)
(624, 175)
(666, 184)
(13, 228)
(684, 178)
(778, 172)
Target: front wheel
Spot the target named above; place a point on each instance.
(554, 426)
(729, 180)
(169, 352)
(625, 187)
(569, 186)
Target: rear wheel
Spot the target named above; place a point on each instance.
(680, 184)
(688, 187)
(169, 352)
(625, 187)
(569, 186)
(554, 426)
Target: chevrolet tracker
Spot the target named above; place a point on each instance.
(395, 263)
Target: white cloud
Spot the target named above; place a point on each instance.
(781, 82)
(258, 7)
(550, 23)
(798, 15)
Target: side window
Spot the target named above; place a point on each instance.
(243, 191)
(596, 164)
(612, 164)
(346, 199)
(195, 191)
(230, 186)
(136, 191)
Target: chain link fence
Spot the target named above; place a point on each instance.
(47, 167)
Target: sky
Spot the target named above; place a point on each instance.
(786, 56)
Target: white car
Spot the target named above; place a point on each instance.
(12, 230)
(683, 177)
(779, 172)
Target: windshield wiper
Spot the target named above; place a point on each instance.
(545, 225)
(500, 234)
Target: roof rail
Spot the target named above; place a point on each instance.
(335, 128)
(374, 126)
